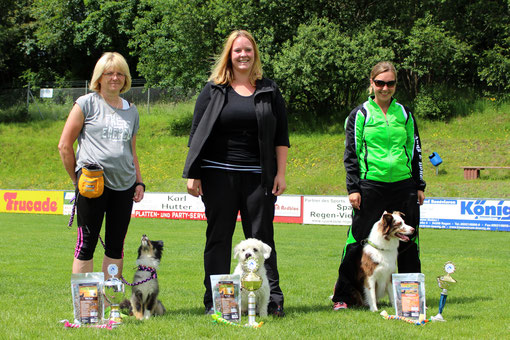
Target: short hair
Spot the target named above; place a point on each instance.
(110, 60)
(223, 73)
(381, 67)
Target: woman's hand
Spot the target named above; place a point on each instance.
(139, 193)
(195, 187)
(279, 185)
(421, 197)
(355, 200)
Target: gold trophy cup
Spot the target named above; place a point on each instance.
(444, 282)
(251, 282)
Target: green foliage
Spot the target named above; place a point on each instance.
(495, 69)
(324, 70)
(433, 103)
(180, 125)
(319, 51)
(433, 55)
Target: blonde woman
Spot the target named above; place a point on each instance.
(105, 126)
(384, 173)
(237, 158)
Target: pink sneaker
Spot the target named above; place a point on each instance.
(340, 305)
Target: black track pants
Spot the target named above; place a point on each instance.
(225, 194)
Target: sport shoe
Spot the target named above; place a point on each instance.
(340, 305)
(275, 310)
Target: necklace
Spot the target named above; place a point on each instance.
(117, 105)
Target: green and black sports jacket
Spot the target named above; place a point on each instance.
(379, 147)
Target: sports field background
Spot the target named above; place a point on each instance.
(36, 254)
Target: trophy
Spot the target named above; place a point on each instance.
(251, 282)
(114, 293)
(444, 282)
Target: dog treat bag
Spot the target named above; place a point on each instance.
(226, 296)
(409, 292)
(88, 302)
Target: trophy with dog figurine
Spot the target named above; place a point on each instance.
(251, 282)
(114, 293)
(444, 282)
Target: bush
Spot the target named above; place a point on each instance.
(431, 103)
(15, 113)
(180, 124)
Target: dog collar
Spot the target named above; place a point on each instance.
(372, 244)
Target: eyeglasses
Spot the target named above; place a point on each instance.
(112, 74)
(381, 83)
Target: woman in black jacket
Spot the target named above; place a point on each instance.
(237, 158)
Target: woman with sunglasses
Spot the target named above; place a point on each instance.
(384, 173)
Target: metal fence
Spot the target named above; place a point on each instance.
(14, 103)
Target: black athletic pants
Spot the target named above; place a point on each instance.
(117, 206)
(377, 197)
(225, 193)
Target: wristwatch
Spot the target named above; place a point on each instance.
(140, 183)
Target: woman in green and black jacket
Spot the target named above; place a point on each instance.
(384, 173)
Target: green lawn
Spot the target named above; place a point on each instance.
(35, 263)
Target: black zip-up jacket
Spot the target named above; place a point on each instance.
(271, 119)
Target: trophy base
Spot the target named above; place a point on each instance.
(115, 315)
(438, 317)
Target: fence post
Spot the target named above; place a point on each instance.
(28, 98)
(149, 101)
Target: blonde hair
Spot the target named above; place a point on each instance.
(107, 61)
(381, 67)
(222, 72)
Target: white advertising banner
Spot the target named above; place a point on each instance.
(289, 209)
(439, 213)
(170, 206)
(473, 214)
(184, 206)
(334, 210)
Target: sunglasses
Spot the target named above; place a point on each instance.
(381, 83)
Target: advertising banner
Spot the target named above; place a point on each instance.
(334, 210)
(184, 206)
(31, 202)
(472, 214)
(170, 206)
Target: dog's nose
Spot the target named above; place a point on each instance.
(247, 255)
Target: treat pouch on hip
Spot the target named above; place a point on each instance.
(91, 182)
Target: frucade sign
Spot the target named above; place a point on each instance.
(31, 202)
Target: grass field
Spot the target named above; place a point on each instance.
(29, 157)
(36, 255)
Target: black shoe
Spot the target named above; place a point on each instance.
(275, 310)
(209, 310)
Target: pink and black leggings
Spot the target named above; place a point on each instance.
(116, 205)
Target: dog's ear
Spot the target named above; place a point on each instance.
(158, 245)
(237, 250)
(387, 220)
(266, 250)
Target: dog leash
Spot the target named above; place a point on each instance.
(154, 275)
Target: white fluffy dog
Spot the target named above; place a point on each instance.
(254, 248)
